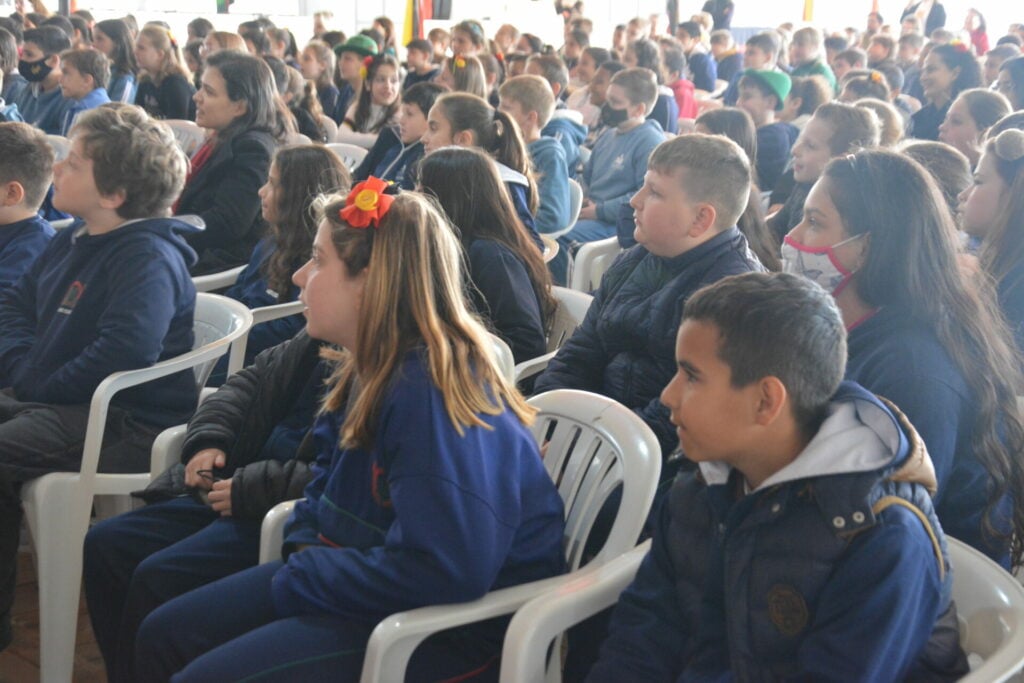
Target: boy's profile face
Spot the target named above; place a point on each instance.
(412, 124)
(801, 53)
(74, 185)
(617, 98)
(877, 52)
(664, 213)
(417, 59)
(841, 68)
(348, 65)
(515, 112)
(73, 84)
(753, 101)
(710, 415)
(755, 58)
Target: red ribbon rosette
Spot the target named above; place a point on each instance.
(366, 204)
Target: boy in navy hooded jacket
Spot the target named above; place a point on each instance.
(805, 544)
(110, 293)
(26, 169)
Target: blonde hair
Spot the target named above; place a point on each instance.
(469, 77)
(890, 121)
(226, 40)
(173, 63)
(323, 53)
(415, 297)
(532, 93)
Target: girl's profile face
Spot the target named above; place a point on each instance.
(269, 195)
(462, 44)
(822, 227)
(102, 42)
(147, 56)
(439, 131)
(311, 67)
(811, 151)
(385, 86)
(959, 129)
(332, 297)
(982, 201)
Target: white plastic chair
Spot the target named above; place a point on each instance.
(330, 127)
(503, 355)
(57, 505)
(351, 155)
(550, 248)
(297, 139)
(214, 281)
(572, 309)
(189, 136)
(61, 146)
(989, 602)
(260, 315)
(575, 205)
(524, 656)
(594, 446)
(591, 262)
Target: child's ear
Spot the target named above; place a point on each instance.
(113, 200)
(12, 193)
(464, 138)
(772, 398)
(705, 219)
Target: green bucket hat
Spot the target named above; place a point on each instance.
(363, 46)
(776, 81)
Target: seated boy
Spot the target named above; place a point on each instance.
(26, 169)
(564, 125)
(617, 166)
(805, 545)
(882, 48)
(418, 59)
(727, 57)
(762, 93)
(695, 189)
(110, 293)
(84, 74)
(761, 52)
(847, 60)
(598, 93)
(41, 102)
(805, 56)
(702, 68)
(530, 102)
(396, 153)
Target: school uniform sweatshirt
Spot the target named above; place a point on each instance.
(44, 110)
(94, 99)
(423, 516)
(617, 166)
(21, 243)
(92, 305)
(552, 172)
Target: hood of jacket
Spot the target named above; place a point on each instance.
(170, 229)
(568, 124)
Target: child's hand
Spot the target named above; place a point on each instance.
(589, 211)
(219, 497)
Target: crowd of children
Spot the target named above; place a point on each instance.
(821, 428)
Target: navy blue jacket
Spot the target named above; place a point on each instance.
(389, 159)
(893, 355)
(412, 78)
(925, 122)
(807, 577)
(328, 98)
(729, 65)
(774, 143)
(424, 516)
(666, 112)
(223, 192)
(94, 305)
(703, 70)
(21, 244)
(625, 348)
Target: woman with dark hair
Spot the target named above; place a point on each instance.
(239, 104)
(948, 70)
(112, 38)
(877, 234)
(511, 286)
(1010, 82)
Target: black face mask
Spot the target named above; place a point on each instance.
(612, 117)
(34, 72)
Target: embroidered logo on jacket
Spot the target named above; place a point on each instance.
(71, 297)
(787, 610)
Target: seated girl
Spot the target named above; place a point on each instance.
(511, 285)
(428, 487)
(968, 119)
(463, 74)
(164, 89)
(377, 105)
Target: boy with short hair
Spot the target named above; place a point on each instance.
(13, 82)
(110, 293)
(848, 60)
(805, 56)
(529, 101)
(761, 52)
(805, 545)
(421, 67)
(617, 165)
(694, 190)
(84, 74)
(42, 103)
(395, 155)
(762, 94)
(702, 69)
(26, 169)
(728, 59)
(564, 124)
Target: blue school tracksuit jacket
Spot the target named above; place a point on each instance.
(824, 572)
(91, 101)
(21, 244)
(44, 110)
(92, 305)
(424, 516)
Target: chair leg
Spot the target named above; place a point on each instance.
(58, 517)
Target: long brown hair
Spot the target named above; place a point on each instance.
(1003, 247)
(361, 121)
(469, 188)
(305, 172)
(911, 266)
(413, 297)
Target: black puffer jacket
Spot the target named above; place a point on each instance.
(625, 348)
(246, 418)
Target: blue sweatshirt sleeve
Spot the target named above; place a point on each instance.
(641, 147)
(447, 542)
(552, 186)
(21, 252)
(18, 322)
(129, 333)
(878, 610)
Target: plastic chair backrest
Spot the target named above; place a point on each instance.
(990, 608)
(61, 146)
(215, 318)
(575, 201)
(592, 442)
(572, 309)
(503, 355)
(189, 136)
(352, 155)
(329, 126)
(297, 139)
(591, 262)
(212, 282)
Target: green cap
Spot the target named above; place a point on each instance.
(776, 81)
(360, 44)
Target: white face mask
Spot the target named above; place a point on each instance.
(819, 264)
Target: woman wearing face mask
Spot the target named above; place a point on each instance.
(876, 234)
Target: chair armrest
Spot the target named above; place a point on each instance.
(581, 595)
(215, 281)
(396, 637)
(534, 366)
(166, 450)
(262, 314)
(272, 531)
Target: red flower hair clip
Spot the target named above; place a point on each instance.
(959, 45)
(367, 204)
(365, 68)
